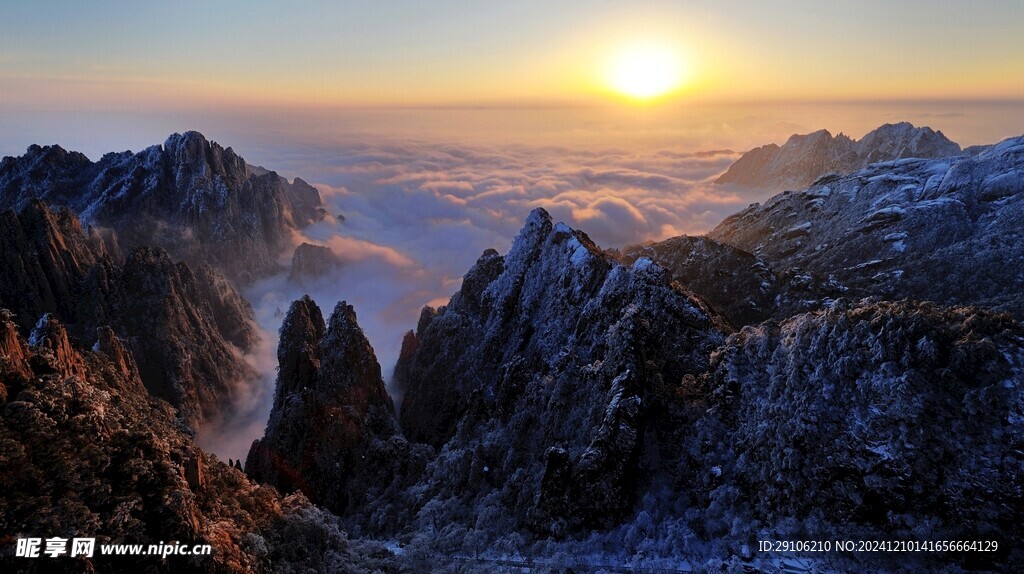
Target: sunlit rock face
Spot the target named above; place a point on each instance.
(549, 381)
(332, 432)
(804, 158)
(186, 330)
(199, 201)
(88, 452)
(943, 230)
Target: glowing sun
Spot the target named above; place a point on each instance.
(646, 71)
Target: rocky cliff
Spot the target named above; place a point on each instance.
(744, 288)
(311, 261)
(186, 330)
(199, 201)
(548, 383)
(85, 451)
(780, 379)
(805, 158)
(877, 419)
(332, 432)
(940, 230)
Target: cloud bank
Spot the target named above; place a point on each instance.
(409, 218)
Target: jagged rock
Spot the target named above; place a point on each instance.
(96, 456)
(400, 376)
(120, 358)
(553, 346)
(942, 230)
(51, 339)
(45, 256)
(193, 472)
(332, 432)
(880, 416)
(182, 354)
(311, 261)
(184, 330)
(190, 196)
(742, 287)
(232, 313)
(14, 357)
(806, 158)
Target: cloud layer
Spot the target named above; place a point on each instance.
(409, 218)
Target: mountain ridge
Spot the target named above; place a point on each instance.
(803, 159)
(186, 329)
(189, 195)
(942, 230)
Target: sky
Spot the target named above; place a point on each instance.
(111, 54)
(433, 127)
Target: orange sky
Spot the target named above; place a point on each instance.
(116, 55)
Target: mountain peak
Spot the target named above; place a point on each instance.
(185, 139)
(805, 158)
(195, 198)
(811, 138)
(331, 413)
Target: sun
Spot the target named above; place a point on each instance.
(645, 71)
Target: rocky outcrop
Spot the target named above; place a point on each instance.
(86, 452)
(14, 357)
(186, 352)
(941, 230)
(311, 261)
(547, 382)
(880, 419)
(45, 256)
(192, 197)
(742, 287)
(805, 158)
(332, 432)
(185, 330)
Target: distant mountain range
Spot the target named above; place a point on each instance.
(805, 158)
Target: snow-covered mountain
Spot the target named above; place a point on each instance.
(565, 402)
(945, 230)
(805, 158)
(199, 201)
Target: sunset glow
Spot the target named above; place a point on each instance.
(645, 71)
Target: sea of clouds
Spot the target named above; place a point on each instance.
(407, 219)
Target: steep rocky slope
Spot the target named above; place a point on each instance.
(564, 391)
(805, 158)
(941, 230)
(186, 330)
(880, 420)
(332, 432)
(548, 384)
(85, 451)
(192, 197)
(742, 287)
